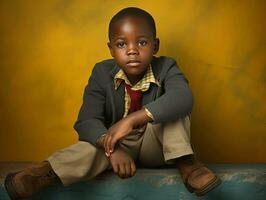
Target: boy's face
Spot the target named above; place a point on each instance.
(132, 45)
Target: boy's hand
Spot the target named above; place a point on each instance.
(123, 165)
(124, 127)
(115, 133)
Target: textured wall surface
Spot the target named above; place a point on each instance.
(48, 49)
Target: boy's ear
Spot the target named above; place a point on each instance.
(110, 49)
(156, 45)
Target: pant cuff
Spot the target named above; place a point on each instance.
(173, 155)
(57, 170)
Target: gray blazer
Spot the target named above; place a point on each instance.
(103, 106)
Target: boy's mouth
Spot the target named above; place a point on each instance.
(133, 63)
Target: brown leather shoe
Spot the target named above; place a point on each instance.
(31, 180)
(196, 176)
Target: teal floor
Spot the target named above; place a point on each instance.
(239, 182)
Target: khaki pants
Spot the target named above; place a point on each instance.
(157, 146)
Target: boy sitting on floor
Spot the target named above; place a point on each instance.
(135, 112)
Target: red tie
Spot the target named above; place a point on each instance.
(135, 97)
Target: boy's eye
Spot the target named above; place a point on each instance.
(142, 43)
(121, 45)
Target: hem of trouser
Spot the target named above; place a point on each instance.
(56, 169)
(177, 154)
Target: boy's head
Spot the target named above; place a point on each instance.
(132, 41)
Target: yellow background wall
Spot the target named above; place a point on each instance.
(48, 49)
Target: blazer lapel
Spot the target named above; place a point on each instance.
(119, 100)
(151, 94)
(119, 95)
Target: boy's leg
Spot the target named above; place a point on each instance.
(80, 161)
(132, 142)
(173, 140)
(164, 142)
(151, 149)
(83, 161)
(77, 162)
(176, 139)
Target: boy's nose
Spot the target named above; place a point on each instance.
(132, 50)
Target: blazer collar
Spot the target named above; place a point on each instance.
(114, 70)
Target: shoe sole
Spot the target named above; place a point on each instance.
(10, 188)
(217, 181)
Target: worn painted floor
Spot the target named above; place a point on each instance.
(239, 182)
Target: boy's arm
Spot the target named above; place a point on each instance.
(176, 100)
(90, 122)
(122, 128)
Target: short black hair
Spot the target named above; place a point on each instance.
(132, 12)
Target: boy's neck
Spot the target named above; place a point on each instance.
(135, 79)
(133, 82)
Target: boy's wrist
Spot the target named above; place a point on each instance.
(100, 140)
(139, 118)
(149, 114)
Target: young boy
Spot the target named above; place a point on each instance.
(135, 110)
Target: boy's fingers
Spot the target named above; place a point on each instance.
(107, 150)
(118, 169)
(105, 142)
(115, 168)
(122, 171)
(107, 138)
(112, 144)
(133, 168)
(128, 170)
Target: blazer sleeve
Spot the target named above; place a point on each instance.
(90, 122)
(177, 99)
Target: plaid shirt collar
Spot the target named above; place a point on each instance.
(142, 85)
